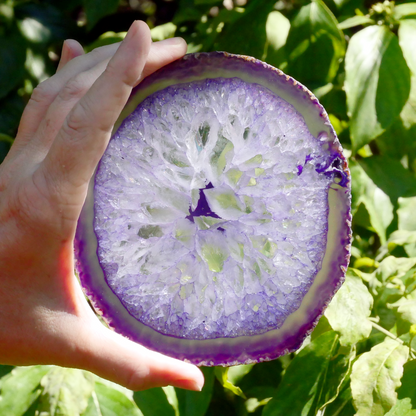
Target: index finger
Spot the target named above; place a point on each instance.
(86, 131)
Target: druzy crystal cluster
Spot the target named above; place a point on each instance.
(211, 209)
(217, 226)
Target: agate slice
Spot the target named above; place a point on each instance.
(217, 225)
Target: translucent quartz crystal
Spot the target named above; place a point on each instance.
(211, 207)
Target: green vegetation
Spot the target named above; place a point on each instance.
(359, 59)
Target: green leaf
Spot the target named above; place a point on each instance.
(20, 389)
(4, 370)
(6, 138)
(311, 379)
(402, 408)
(393, 267)
(12, 58)
(250, 26)
(153, 402)
(238, 372)
(406, 308)
(407, 389)
(315, 45)
(66, 391)
(342, 405)
(162, 32)
(43, 23)
(198, 2)
(375, 376)
(390, 176)
(196, 403)
(222, 375)
(406, 214)
(402, 237)
(277, 30)
(349, 309)
(377, 83)
(355, 21)
(11, 108)
(97, 9)
(108, 400)
(376, 202)
(404, 10)
(407, 40)
(106, 38)
(407, 35)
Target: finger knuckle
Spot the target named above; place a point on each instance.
(135, 379)
(74, 89)
(97, 53)
(127, 76)
(42, 93)
(74, 127)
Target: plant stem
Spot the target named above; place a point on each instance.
(384, 331)
(392, 336)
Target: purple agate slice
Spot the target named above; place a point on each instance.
(217, 214)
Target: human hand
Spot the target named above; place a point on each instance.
(65, 128)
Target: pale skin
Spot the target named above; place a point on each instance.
(65, 128)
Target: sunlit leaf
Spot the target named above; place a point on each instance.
(402, 408)
(277, 30)
(407, 222)
(107, 400)
(406, 213)
(65, 391)
(355, 21)
(406, 308)
(404, 10)
(222, 375)
(349, 309)
(407, 39)
(106, 38)
(20, 389)
(375, 376)
(41, 23)
(162, 32)
(393, 267)
(402, 237)
(377, 83)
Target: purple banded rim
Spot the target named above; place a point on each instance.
(243, 349)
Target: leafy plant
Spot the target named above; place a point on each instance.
(360, 62)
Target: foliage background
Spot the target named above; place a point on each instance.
(359, 58)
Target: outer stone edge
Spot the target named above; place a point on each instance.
(229, 351)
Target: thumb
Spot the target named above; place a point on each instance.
(115, 358)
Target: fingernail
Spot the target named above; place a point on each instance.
(65, 50)
(198, 387)
(131, 30)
